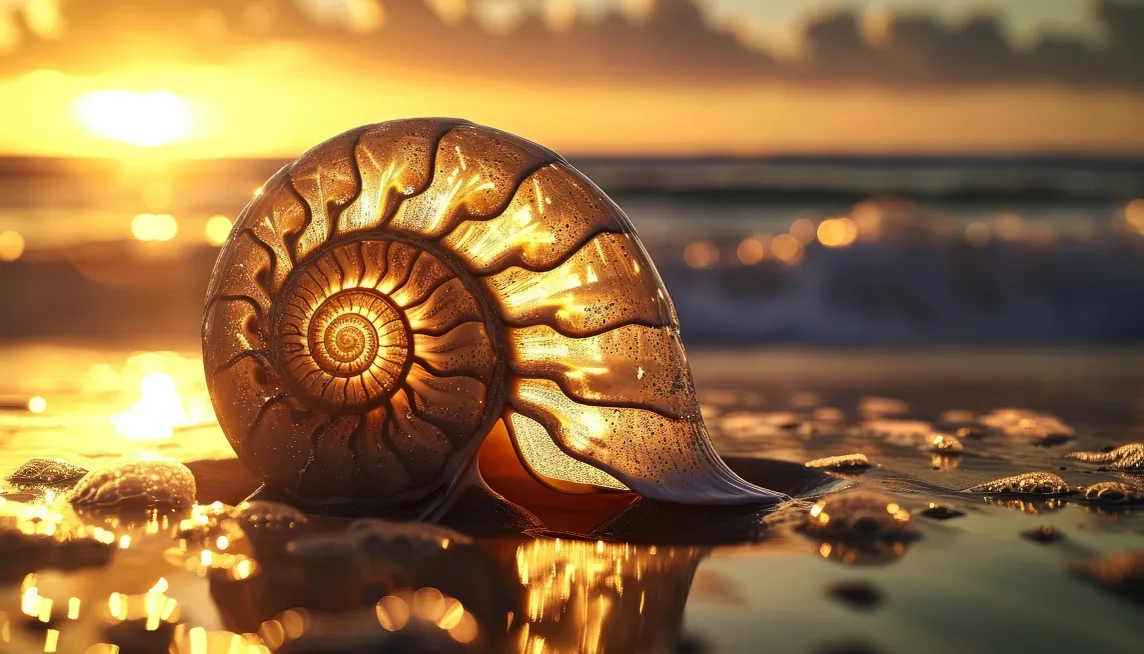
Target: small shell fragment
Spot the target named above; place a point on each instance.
(1113, 493)
(46, 471)
(844, 462)
(1125, 457)
(1029, 483)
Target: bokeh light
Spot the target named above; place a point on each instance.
(701, 254)
(787, 249)
(154, 227)
(37, 404)
(11, 246)
(803, 230)
(837, 232)
(978, 234)
(752, 249)
(141, 119)
(218, 229)
(1134, 215)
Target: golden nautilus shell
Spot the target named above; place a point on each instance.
(396, 292)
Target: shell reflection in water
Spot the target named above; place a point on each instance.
(399, 290)
(584, 596)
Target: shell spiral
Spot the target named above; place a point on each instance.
(396, 291)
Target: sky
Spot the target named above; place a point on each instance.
(269, 78)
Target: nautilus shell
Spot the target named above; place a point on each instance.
(394, 294)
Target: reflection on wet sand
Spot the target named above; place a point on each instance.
(264, 577)
(602, 597)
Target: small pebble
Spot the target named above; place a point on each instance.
(858, 594)
(958, 417)
(877, 407)
(1029, 483)
(1127, 457)
(1121, 573)
(945, 444)
(859, 516)
(841, 463)
(1041, 428)
(1043, 534)
(942, 511)
(137, 484)
(906, 433)
(261, 514)
(970, 432)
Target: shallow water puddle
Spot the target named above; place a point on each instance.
(929, 547)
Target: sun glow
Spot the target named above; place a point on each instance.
(157, 413)
(142, 119)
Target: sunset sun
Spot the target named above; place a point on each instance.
(142, 119)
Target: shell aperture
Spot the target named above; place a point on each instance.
(399, 290)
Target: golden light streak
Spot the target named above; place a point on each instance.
(157, 413)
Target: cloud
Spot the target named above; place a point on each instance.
(670, 44)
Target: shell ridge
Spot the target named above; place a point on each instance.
(408, 276)
(385, 434)
(412, 398)
(603, 404)
(385, 215)
(270, 254)
(713, 483)
(463, 214)
(539, 476)
(257, 355)
(516, 261)
(238, 298)
(292, 239)
(578, 456)
(315, 441)
(334, 217)
(266, 404)
(586, 333)
(445, 374)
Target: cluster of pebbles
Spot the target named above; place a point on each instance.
(371, 584)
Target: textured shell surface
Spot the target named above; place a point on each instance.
(46, 471)
(395, 292)
(136, 484)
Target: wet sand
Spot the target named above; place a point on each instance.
(986, 573)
